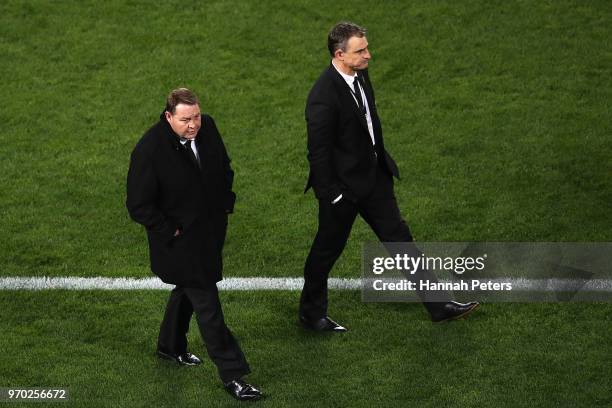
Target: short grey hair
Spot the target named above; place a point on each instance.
(340, 34)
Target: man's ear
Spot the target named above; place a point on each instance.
(338, 54)
(168, 115)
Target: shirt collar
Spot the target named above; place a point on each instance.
(348, 78)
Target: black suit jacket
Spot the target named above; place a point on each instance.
(167, 191)
(340, 151)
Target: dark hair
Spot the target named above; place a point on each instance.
(341, 33)
(180, 95)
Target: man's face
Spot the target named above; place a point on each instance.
(357, 54)
(186, 120)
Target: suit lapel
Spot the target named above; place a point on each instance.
(347, 96)
(368, 93)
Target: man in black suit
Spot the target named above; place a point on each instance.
(179, 187)
(351, 173)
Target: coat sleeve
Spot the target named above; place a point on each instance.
(321, 124)
(142, 191)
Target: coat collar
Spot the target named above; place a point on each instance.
(175, 140)
(172, 136)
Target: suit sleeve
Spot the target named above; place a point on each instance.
(321, 123)
(228, 172)
(142, 190)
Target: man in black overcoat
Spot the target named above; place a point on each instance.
(179, 187)
(352, 173)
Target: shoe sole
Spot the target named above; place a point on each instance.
(462, 315)
(253, 398)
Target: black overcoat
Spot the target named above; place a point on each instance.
(166, 191)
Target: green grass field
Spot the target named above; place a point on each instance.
(99, 344)
(497, 113)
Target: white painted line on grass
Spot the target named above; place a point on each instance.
(79, 283)
(259, 283)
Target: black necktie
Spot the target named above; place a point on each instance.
(358, 96)
(192, 155)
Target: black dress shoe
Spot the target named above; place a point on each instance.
(453, 311)
(242, 391)
(186, 359)
(322, 324)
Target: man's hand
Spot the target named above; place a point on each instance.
(177, 232)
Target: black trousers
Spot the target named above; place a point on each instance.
(381, 212)
(221, 345)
